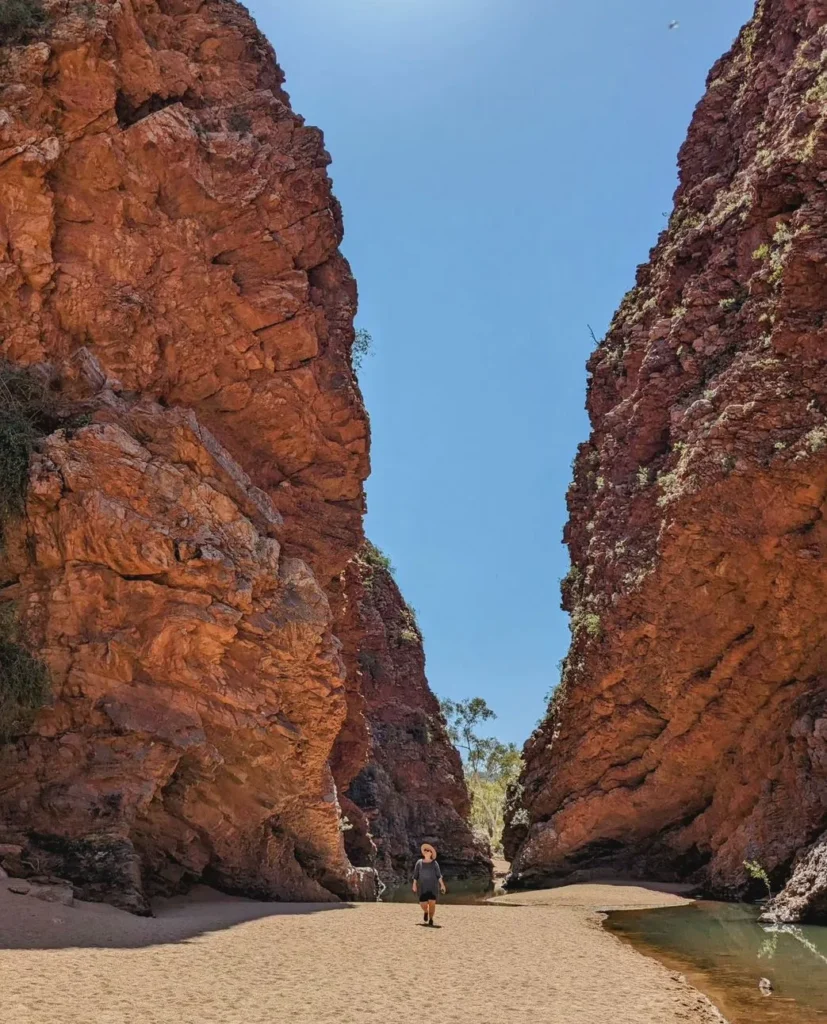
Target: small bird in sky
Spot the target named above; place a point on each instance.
(674, 24)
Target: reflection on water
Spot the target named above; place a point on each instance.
(725, 952)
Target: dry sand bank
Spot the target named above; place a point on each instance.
(212, 959)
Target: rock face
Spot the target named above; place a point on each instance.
(168, 244)
(412, 789)
(165, 209)
(198, 687)
(689, 732)
(805, 895)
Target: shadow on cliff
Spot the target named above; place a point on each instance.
(27, 923)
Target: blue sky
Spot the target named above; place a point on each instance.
(503, 165)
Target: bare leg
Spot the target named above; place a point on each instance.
(423, 906)
(431, 909)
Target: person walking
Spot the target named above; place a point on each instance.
(427, 882)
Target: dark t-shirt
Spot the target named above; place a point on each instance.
(427, 874)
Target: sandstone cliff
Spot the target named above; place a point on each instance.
(168, 247)
(412, 789)
(690, 728)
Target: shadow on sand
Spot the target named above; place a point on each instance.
(27, 923)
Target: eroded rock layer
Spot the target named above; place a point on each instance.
(412, 789)
(164, 208)
(689, 732)
(168, 244)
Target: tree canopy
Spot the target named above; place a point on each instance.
(490, 765)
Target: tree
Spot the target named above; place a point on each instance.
(463, 717)
(362, 346)
(490, 766)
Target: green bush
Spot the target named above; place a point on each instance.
(239, 122)
(587, 621)
(572, 577)
(410, 631)
(24, 681)
(17, 438)
(376, 558)
(755, 870)
(23, 419)
(362, 347)
(19, 20)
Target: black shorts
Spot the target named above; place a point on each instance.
(426, 896)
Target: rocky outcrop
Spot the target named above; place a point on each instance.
(198, 688)
(689, 732)
(412, 789)
(804, 897)
(165, 209)
(168, 246)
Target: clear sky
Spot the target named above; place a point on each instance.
(503, 166)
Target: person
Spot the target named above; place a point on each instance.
(427, 880)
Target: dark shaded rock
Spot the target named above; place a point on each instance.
(49, 890)
(100, 868)
(412, 789)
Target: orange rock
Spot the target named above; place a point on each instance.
(198, 686)
(168, 240)
(164, 208)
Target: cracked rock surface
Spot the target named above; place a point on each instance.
(689, 732)
(198, 688)
(169, 246)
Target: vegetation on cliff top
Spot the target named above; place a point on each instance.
(376, 558)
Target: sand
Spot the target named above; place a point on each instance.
(212, 959)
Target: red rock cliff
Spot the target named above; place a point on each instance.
(168, 243)
(412, 789)
(689, 732)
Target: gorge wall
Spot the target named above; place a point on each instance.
(412, 788)
(170, 273)
(689, 731)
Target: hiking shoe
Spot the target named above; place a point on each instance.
(431, 921)
(425, 917)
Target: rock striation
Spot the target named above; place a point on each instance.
(412, 788)
(169, 259)
(198, 688)
(689, 732)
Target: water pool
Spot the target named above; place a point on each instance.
(724, 951)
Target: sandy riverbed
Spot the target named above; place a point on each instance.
(211, 959)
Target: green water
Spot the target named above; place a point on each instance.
(724, 951)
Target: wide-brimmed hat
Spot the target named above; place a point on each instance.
(427, 846)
